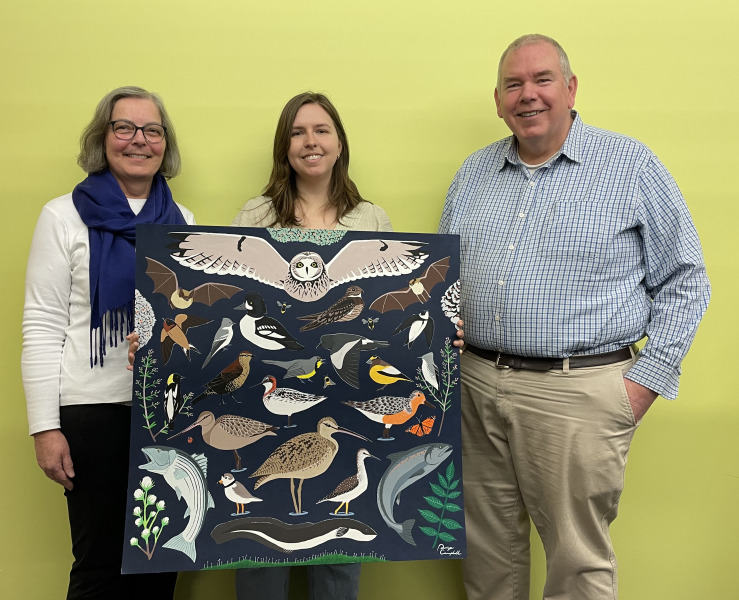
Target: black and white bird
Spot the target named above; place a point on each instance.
(261, 330)
(306, 277)
(221, 340)
(344, 351)
(429, 370)
(416, 325)
(173, 400)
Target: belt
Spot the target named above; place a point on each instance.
(531, 363)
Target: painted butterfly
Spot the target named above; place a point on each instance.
(422, 427)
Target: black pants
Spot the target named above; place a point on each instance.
(98, 436)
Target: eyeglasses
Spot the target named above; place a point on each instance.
(125, 130)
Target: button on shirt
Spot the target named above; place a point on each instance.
(590, 253)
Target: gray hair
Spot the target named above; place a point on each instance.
(536, 38)
(92, 141)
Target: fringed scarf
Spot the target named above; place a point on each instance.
(105, 210)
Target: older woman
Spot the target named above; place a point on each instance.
(309, 187)
(78, 308)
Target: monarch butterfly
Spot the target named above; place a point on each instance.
(423, 427)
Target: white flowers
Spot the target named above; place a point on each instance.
(146, 516)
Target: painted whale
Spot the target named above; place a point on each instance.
(287, 537)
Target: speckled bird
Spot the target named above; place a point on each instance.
(389, 410)
(303, 457)
(346, 308)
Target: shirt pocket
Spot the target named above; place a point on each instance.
(574, 230)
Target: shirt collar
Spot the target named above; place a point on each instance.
(572, 148)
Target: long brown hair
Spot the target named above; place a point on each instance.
(282, 188)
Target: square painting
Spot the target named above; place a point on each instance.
(295, 399)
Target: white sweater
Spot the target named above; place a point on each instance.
(56, 322)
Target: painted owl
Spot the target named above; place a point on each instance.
(307, 277)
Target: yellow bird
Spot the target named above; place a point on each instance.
(384, 373)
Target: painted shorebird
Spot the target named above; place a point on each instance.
(389, 410)
(352, 486)
(237, 493)
(229, 432)
(286, 401)
(304, 456)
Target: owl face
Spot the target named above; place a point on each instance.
(306, 266)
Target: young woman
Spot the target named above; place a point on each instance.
(310, 188)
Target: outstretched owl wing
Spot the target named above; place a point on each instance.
(230, 254)
(375, 258)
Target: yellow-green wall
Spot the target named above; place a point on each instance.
(414, 81)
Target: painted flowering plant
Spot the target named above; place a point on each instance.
(145, 518)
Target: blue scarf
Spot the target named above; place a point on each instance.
(105, 210)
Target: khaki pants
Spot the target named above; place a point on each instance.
(550, 445)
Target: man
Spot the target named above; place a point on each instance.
(575, 244)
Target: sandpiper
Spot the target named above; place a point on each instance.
(389, 410)
(352, 486)
(229, 432)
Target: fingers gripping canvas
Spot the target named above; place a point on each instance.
(296, 399)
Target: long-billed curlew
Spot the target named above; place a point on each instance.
(390, 410)
(304, 456)
(286, 401)
(352, 486)
(229, 432)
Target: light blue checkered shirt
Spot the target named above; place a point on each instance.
(589, 254)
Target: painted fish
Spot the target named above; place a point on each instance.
(405, 469)
(287, 537)
(186, 475)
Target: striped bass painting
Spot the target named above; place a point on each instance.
(186, 475)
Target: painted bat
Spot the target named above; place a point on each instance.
(165, 283)
(417, 291)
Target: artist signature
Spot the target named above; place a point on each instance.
(448, 550)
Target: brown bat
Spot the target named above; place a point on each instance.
(165, 283)
(417, 291)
